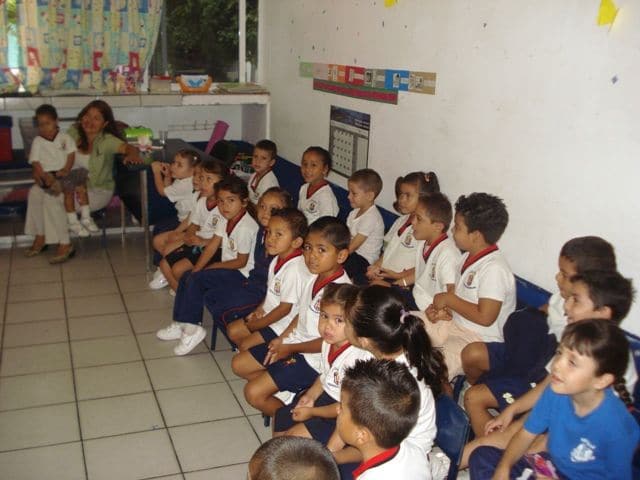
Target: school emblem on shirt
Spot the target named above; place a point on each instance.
(433, 272)
(315, 307)
(312, 206)
(583, 452)
(63, 145)
(276, 286)
(232, 245)
(469, 281)
(214, 221)
(408, 239)
(336, 377)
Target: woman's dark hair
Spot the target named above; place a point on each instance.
(378, 314)
(606, 344)
(107, 114)
(426, 183)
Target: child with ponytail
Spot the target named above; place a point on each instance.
(377, 321)
(590, 432)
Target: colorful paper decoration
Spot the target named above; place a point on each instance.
(396, 80)
(355, 75)
(607, 12)
(306, 69)
(422, 82)
(356, 91)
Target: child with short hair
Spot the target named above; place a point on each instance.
(264, 158)
(287, 458)
(365, 224)
(287, 276)
(182, 254)
(398, 258)
(485, 292)
(378, 322)
(236, 241)
(437, 257)
(593, 294)
(291, 361)
(379, 407)
(590, 432)
(235, 296)
(175, 181)
(314, 412)
(316, 199)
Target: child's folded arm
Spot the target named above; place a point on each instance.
(160, 180)
(281, 311)
(208, 252)
(356, 242)
(236, 264)
(312, 346)
(484, 313)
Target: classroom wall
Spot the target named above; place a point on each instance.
(534, 103)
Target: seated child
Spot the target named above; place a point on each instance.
(592, 295)
(378, 409)
(287, 277)
(236, 296)
(398, 258)
(264, 158)
(316, 410)
(590, 432)
(316, 199)
(182, 254)
(365, 224)
(236, 241)
(288, 458)
(175, 181)
(437, 257)
(493, 366)
(378, 322)
(485, 292)
(291, 362)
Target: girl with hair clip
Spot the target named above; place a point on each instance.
(591, 434)
(376, 321)
(399, 255)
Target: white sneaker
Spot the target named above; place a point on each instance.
(191, 337)
(77, 228)
(158, 282)
(90, 225)
(157, 273)
(172, 332)
(172, 292)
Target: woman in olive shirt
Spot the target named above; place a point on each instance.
(96, 135)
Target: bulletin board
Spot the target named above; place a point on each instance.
(348, 140)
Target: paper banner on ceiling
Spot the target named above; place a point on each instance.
(390, 3)
(356, 91)
(306, 69)
(422, 82)
(607, 12)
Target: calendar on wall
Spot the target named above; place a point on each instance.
(348, 140)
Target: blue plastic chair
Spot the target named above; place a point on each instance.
(453, 431)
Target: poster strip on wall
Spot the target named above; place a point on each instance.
(396, 80)
(422, 82)
(356, 91)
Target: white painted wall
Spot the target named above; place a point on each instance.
(525, 108)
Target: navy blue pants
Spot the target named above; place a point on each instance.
(226, 293)
(161, 226)
(484, 460)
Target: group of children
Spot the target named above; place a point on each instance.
(347, 336)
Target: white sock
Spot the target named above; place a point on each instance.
(73, 218)
(85, 213)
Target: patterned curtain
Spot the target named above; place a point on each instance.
(8, 82)
(71, 44)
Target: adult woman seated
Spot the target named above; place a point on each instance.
(96, 136)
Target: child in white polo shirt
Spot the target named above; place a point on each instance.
(378, 409)
(365, 224)
(316, 199)
(263, 178)
(485, 292)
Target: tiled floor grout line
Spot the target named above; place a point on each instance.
(5, 308)
(73, 378)
(146, 369)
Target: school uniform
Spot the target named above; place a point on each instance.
(299, 371)
(399, 246)
(370, 225)
(333, 367)
(52, 154)
(436, 266)
(487, 275)
(405, 462)
(287, 278)
(257, 186)
(556, 318)
(317, 202)
(180, 192)
(226, 301)
(169, 224)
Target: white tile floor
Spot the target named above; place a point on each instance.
(88, 392)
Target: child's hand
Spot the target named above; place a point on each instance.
(176, 236)
(440, 300)
(434, 315)
(384, 272)
(156, 167)
(305, 401)
(373, 272)
(277, 351)
(300, 414)
(499, 423)
(191, 239)
(165, 169)
(63, 172)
